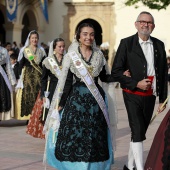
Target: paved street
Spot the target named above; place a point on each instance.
(19, 151)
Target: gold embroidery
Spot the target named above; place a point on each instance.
(31, 59)
(90, 69)
(78, 63)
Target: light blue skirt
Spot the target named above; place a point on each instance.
(66, 165)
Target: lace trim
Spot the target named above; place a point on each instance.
(97, 62)
(4, 58)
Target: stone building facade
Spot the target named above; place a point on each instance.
(111, 18)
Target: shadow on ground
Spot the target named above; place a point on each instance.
(12, 123)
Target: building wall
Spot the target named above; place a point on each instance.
(57, 12)
(126, 17)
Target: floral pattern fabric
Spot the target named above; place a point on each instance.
(35, 127)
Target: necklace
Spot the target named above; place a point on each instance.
(59, 62)
(33, 51)
(87, 63)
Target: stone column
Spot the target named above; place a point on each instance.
(13, 32)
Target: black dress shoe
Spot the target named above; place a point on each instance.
(125, 168)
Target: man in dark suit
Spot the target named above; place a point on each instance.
(145, 58)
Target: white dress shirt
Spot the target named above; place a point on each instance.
(147, 48)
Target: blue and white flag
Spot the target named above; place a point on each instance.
(11, 8)
(44, 7)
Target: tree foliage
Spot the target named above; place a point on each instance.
(152, 4)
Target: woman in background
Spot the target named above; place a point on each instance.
(7, 80)
(52, 66)
(30, 66)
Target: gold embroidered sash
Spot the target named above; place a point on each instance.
(54, 66)
(31, 58)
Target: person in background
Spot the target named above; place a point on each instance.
(8, 46)
(145, 58)
(30, 70)
(11, 51)
(168, 64)
(168, 53)
(21, 45)
(52, 66)
(15, 64)
(7, 81)
(15, 47)
(45, 46)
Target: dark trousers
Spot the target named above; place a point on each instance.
(139, 110)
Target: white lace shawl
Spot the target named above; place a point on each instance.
(5, 58)
(27, 42)
(97, 61)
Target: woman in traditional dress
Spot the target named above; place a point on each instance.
(7, 80)
(81, 140)
(52, 66)
(159, 154)
(30, 65)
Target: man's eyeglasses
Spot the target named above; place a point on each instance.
(145, 22)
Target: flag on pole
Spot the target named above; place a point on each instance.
(44, 7)
(11, 8)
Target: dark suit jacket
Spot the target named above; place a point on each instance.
(130, 56)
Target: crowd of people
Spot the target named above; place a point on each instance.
(68, 97)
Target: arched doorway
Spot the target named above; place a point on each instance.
(29, 22)
(97, 27)
(2, 30)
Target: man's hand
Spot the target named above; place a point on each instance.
(160, 108)
(127, 73)
(144, 84)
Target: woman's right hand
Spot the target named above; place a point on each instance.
(59, 108)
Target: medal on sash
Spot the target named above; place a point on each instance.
(32, 58)
(29, 54)
(55, 66)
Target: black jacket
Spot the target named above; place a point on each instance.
(16, 70)
(130, 56)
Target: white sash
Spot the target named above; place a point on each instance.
(4, 75)
(88, 80)
(54, 66)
